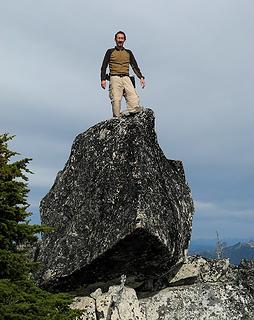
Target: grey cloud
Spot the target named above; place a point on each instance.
(196, 56)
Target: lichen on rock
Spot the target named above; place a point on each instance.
(225, 295)
(119, 206)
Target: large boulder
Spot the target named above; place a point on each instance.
(119, 206)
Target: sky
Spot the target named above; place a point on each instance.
(198, 60)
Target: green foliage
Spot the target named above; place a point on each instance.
(14, 228)
(24, 300)
(14, 265)
(20, 297)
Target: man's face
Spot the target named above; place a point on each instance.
(120, 40)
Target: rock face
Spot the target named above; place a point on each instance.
(201, 301)
(118, 207)
(218, 292)
(247, 274)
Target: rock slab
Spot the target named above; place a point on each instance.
(119, 206)
(199, 301)
(219, 292)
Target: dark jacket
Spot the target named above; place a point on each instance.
(119, 61)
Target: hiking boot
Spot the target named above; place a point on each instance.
(135, 110)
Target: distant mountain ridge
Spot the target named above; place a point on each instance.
(235, 253)
(239, 251)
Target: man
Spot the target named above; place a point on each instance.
(120, 84)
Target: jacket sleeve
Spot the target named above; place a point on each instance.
(135, 66)
(105, 64)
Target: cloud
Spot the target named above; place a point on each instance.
(230, 219)
(43, 177)
(223, 212)
(197, 57)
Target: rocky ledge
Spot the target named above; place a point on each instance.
(119, 206)
(198, 290)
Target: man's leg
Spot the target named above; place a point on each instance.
(115, 94)
(131, 96)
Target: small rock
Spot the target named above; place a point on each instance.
(198, 269)
(186, 274)
(213, 270)
(246, 274)
(87, 305)
(96, 293)
(118, 303)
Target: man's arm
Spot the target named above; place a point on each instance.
(136, 69)
(104, 68)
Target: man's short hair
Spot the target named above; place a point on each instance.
(120, 32)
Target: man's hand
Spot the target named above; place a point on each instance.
(142, 82)
(103, 84)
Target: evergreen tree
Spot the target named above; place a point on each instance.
(20, 297)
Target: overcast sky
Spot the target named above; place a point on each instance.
(198, 60)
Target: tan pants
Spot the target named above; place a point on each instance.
(119, 87)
